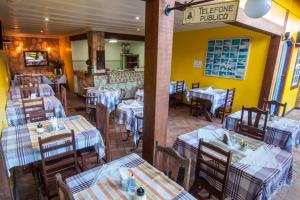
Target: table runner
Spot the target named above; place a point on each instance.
(244, 181)
(45, 90)
(216, 96)
(157, 185)
(107, 96)
(18, 149)
(15, 113)
(128, 109)
(281, 131)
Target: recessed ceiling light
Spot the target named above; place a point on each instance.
(138, 29)
(137, 18)
(41, 31)
(113, 41)
(46, 19)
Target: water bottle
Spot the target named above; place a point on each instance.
(131, 185)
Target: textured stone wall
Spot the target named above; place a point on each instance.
(19, 44)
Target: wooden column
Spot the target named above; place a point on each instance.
(1, 36)
(158, 57)
(269, 69)
(96, 45)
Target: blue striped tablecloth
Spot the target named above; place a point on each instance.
(20, 149)
(45, 90)
(15, 112)
(281, 131)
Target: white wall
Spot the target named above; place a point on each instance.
(80, 54)
(113, 52)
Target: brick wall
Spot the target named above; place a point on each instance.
(19, 44)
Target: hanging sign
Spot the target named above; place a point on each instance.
(212, 13)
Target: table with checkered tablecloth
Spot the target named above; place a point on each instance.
(281, 131)
(106, 96)
(217, 97)
(20, 145)
(127, 111)
(15, 112)
(103, 182)
(45, 90)
(250, 176)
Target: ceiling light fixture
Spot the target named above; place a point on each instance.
(113, 41)
(138, 29)
(41, 31)
(137, 18)
(257, 8)
(46, 19)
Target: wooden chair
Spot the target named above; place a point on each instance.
(227, 108)
(63, 191)
(64, 163)
(27, 90)
(173, 164)
(28, 79)
(63, 98)
(252, 128)
(195, 104)
(90, 104)
(177, 97)
(212, 171)
(267, 106)
(34, 110)
(139, 118)
(102, 124)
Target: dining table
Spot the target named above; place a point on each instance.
(50, 79)
(15, 112)
(128, 109)
(45, 90)
(280, 131)
(256, 172)
(20, 143)
(104, 182)
(211, 99)
(107, 96)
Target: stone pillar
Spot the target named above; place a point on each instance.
(96, 45)
(158, 58)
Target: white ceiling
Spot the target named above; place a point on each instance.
(67, 16)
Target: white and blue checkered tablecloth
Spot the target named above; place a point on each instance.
(18, 149)
(245, 182)
(45, 90)
(15, 112)
(281, 131)
(216, 96)
(86, 179)
(127, 111)
(106, 96)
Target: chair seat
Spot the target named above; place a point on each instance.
(201, 183)
(86, 151)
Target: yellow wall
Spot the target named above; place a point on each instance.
(192, 45)
(290, 95)
(4, 86)
(66, 56)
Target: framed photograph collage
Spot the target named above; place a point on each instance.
(296, 75)
(227, 58)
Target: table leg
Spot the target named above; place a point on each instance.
(206, 105)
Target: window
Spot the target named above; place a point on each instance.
(296, 76)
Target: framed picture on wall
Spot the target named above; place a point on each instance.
(227, 58)
(296, 75)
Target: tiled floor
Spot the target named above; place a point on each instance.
(180, 122)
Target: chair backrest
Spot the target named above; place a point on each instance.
(34, 109)
(27, 79)
(102, 124)
(195, 85)
(268, 105)
(172, 163)
(40, 115)
(179, 86)
(255, 124)
(229, 99)
(213, 166)
(27, 90)
(58, 154)
(63, 191)
(63, 97)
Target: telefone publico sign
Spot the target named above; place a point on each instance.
(211, 13)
